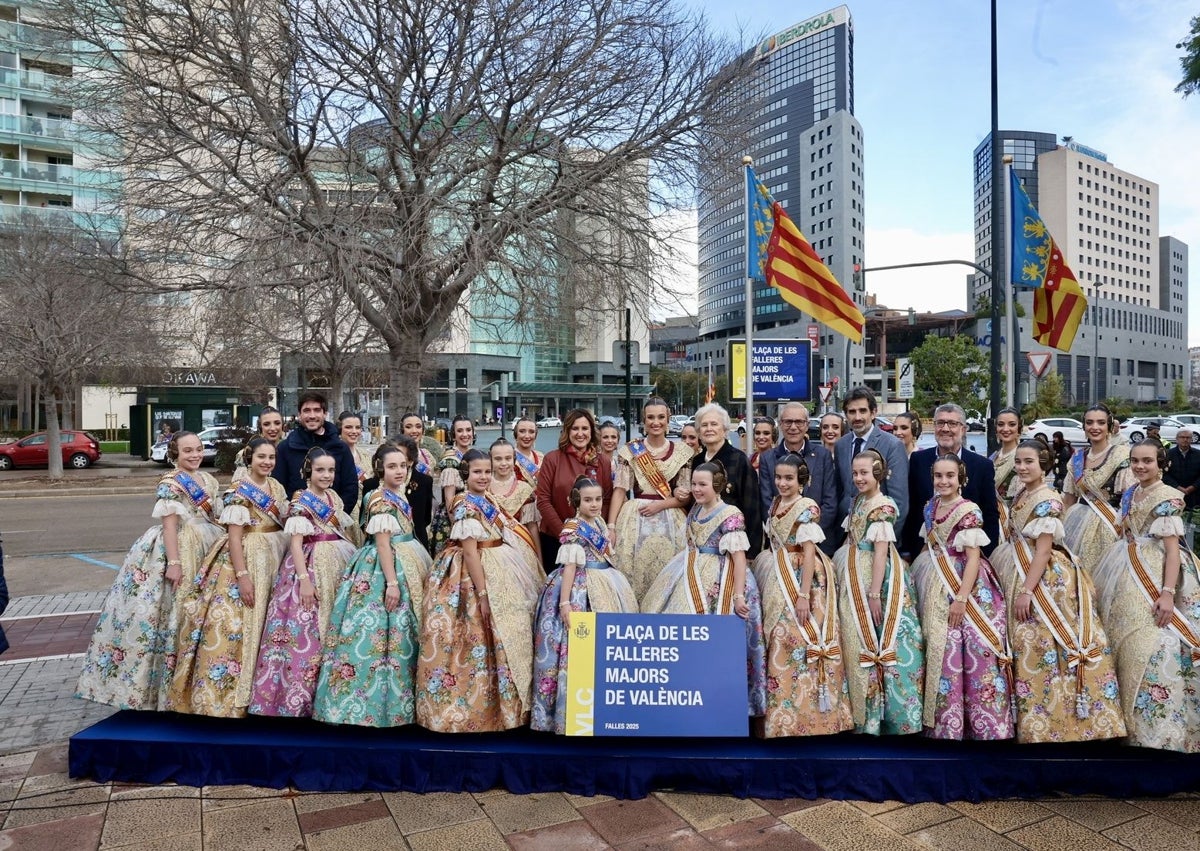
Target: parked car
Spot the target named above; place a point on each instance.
(1135, 428)
(158, 452)
(549, 422)
(609, 419)
(977, 424)
(675, 425)
(80, 449)
(210, 437)
(1186, 419)
(1072, 430)
(883, 424)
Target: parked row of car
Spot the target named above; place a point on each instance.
(1133, 428)
(80, 450)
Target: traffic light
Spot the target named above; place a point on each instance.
(858, 277)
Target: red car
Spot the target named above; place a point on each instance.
(80, 449)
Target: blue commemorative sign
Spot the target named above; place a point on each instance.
(656, 675)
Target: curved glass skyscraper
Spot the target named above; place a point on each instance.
(808, 149)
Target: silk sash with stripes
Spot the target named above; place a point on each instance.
(649, 468)
(1178, 624)
(695, 586)
(953, 584)
(1080, 648)
(880, 653)
(1096, 501)
(821, 644)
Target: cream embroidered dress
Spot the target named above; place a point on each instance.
(885, 662)
(807, 693)
(131, 657)
(645, 544)
(1007, 483)
(219, 635)
(1090, 524)
(1065, 681)
(1156, 666)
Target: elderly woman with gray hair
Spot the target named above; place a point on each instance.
(741, 488)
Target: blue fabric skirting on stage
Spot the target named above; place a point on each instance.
(153, 747)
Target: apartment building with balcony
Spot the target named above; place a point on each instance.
(45, 171)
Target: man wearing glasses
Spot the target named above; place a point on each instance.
(822, 485)
(950, 429)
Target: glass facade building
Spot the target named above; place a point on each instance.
(807, 148)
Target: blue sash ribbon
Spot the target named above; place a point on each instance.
(422, 467)
(709, 551)
(484, 507)
(597, 565)
(1077, 462)
(398, 501)
(593, 536)
(261, 499)
(320, 509)
(193, 489)
(527, 465)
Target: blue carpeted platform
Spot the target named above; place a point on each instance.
(149, 747)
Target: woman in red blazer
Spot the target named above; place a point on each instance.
(578, 454)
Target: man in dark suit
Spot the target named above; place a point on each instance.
(1183, 468)
(860, 408)
(822, 485)
(950, 429)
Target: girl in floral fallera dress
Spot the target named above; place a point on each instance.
(1065, 683)
(715, 561)
(224, 613)
(807, 694)
(877, 604)
(968, 664)
(370, 660)
(1096, 478)
(297, 621)
(648, 530)
(132, 653)
(584, 581)
(1150, 602)
(475, 672)
(512, 493)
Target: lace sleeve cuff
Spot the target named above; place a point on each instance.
(1039, 526)
(169, 506)
(880, 531)
(571, 554)
(299, 526)
(382, 523)
(1167, 527)
(235, 515)
(732, 542)
(971, 538)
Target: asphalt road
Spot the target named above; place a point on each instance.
(57, 544)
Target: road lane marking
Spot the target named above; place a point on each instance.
(94, 561)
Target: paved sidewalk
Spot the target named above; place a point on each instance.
(43, 809)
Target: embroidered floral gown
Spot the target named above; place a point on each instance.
(1056, 702)
(475, 675)
(289, 656)
(131, 656)
(1086, 534)
(598, 587)
(711, 535)
(369, 664)
(645, 544)
(807, 693)
(968, 692)
(886, 696)
(1155, 665)
(516, 498)
(219, 635)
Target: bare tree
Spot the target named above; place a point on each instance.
(435, 151)
(62, 320)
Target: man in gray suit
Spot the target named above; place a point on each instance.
(822, 485)
(860, 408)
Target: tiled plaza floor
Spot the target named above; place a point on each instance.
(43, 808)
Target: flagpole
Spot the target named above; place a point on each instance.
(997, 242)
(1014, 342)
(748, 162)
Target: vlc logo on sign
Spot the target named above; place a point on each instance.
(1039, 362)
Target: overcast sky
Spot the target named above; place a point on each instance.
(1103, 71)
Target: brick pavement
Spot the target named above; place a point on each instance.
(43, 809)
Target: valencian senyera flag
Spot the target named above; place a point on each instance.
(1038, 262)
(780, 255)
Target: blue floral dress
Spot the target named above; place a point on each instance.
(369, 663)
(885, 663)
(598, 587)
